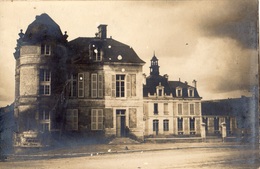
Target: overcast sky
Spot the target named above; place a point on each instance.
(214, 42)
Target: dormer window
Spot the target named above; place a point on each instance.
(160, 90)
(97, 55)
(45, 49)
(191, 92)
(178, 92)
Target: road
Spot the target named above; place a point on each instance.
(194, 158)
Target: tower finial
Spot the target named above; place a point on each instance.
(154, 53)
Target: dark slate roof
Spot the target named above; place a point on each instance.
(43, 29)
(184, 86)
(169, 86)
(227, 107)
(154, 80)
(79, 50)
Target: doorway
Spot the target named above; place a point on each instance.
(120, 123)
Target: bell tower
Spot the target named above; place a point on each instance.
(154, 68)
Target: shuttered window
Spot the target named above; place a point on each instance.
(72, 119)
(100, 85)
(97, 119)
(113, 86)
(96, 85)
(131, 85)
(80, 85)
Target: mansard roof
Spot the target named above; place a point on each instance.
(169, 86)
(114, 51)
(43, 29)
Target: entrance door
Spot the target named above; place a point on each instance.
(155, 127)
(120, 123)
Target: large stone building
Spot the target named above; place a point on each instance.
(96, 86)
(90, 85)
(170, 107)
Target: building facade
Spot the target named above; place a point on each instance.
(171, 108)
(88, 85)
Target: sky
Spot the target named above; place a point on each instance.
(213, 42)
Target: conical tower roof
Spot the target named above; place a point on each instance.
(43, 29)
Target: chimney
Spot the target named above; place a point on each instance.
(166, 76)
(194, 82)
(102, 31)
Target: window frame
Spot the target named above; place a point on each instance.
(180, 124)
(166, 125)
(120, 86)
(46, 49)
(190, 92)
(155, 108)
(178, 92)
(192, 124)
(45, 82)
(156, 125)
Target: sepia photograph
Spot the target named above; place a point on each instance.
(129, 84)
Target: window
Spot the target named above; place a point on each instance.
(216, 123)
(192, 124)
(45, 79)
(73, 85)
(45, 127)
(155, 108)
(44, 89)
(72, 119)
(45, 75)
(160, 90)
(165, 106)
(96, 54)
(97, 119)
(191, 92)
(156, 125)
(165, 125)
(179, 109)
(120, 85)
(96, 85)
(180, 124)
(191, 109)
(44, 115)
(80, 85)
(45, 49)
(178, 92)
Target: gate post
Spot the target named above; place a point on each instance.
(224, 131)
(203, 131)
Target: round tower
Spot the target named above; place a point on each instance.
(39, 54)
